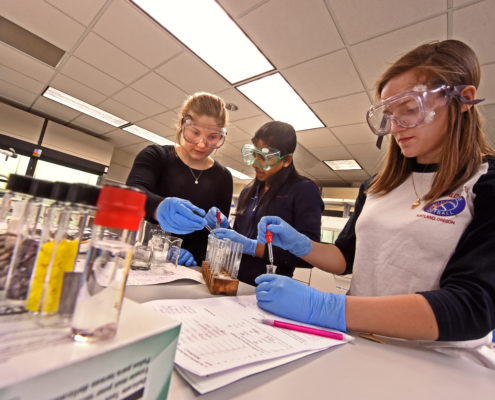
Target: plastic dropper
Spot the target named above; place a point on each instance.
(219, 219)
(206, 226)
(270, 268)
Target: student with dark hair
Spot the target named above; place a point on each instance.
(421, 242)
(183, 182)
(277, 190)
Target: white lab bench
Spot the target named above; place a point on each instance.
(359, 370)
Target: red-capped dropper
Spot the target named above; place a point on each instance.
(219, 219)
(269, 238)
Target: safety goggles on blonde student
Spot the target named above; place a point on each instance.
(264, 158)
(412, 108)
(194, 133)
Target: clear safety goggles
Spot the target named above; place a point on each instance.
(410, 109)
(264, 158)
(194, 133)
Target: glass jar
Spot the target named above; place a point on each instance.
(118, 216)
(54, 284)
(46, 245)
(11, 212)
(27, 242)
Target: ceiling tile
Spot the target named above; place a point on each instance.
(160, 90)
(367, 155)
(122, 139)
(331, 153)
(20, 61)
(230, 150)
(358, 22)
(237, 8)
(315, 138)
(158, 128)
(55, 110)
(128, 28)
(321, 171)
(81, 11)
(252, 124)
(90, 76)
(344, 110)
(304, 159)
(310, 32)
(168, 118)
(246, 107)
(353, 176)
(373, 56)
(121, 110)
(136, 148)
(139, 102)
(237, 135)
(92, 124)
(325, 77)
(47, 22)
(76, 89)
(17, 94)
(474, 25)
(356, 133)
(191, 74)
(98, 52)
(17, 78)
(487, 84)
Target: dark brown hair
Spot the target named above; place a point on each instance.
(449, 62)
(282, 137)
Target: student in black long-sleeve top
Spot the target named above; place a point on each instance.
(184, 178)
(277, 190)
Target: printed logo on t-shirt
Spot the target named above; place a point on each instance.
(447, 208)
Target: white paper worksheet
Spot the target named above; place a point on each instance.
(222, 333)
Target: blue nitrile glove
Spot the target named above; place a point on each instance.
(291, 299)
(284, 236)
(211, 218)
(176, 215)
(249, 244)
(186, 258)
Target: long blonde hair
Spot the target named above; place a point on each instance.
(202, 103)
(449, 62)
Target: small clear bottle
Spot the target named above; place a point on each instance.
(96, 315)
(11, 212)
(27, 242)
(51, 221)
(61, 283)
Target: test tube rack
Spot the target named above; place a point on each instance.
(221, 283)
(221, 265)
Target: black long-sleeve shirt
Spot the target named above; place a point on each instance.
(160, 172)
(298, 203)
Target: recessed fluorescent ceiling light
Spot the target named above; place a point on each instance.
(238, 174)
(79, 105)
(340, 165)
(208, 31)
(145, 134)
(277, 98)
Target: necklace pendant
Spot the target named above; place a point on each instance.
(415, 204)
(196, 181)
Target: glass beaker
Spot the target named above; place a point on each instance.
(174, 245)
